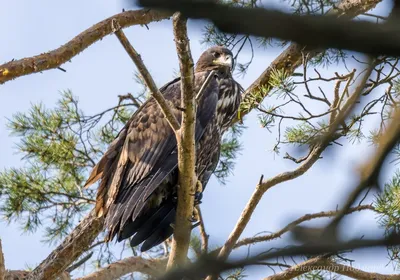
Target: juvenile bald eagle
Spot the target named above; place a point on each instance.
(139, 174)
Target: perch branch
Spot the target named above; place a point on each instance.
(186, 147)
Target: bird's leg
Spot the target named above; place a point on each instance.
(198, 195)
(195, 216)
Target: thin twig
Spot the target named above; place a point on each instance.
(203, 234)
(79, 263)
(287, 228)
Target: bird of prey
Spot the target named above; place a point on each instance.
(138, 174)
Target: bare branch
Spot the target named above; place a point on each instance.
(370, 170)
(261, 188)
(264, 186)
(57, 57)
(186, 147)
(307, 217)
(79, 263)
(155, 92)
(152, 267)
(291, 58)
(203, 234)
(77, 242)
(323, 263)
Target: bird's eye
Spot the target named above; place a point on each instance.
(216, 55)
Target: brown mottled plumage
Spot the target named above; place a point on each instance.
(137, 191)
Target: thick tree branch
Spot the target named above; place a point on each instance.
(155, 92)
(312, 30)
(152, 267)
(186, 147)
(287, 228)
(77, 242)
(2, 264)
(57, 57)
(323, 263)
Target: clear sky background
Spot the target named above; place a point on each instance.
(104, 71)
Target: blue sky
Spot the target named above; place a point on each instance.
(104, 71)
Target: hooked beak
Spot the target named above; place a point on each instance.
(224, 60)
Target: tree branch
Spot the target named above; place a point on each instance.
(77, 242)
(203, 234)
(317, 31)
(186, 147)
(209, 264)
(57, 57)
(323, 263)
(155, 92)
(307, 217)
(152, 267)
(264, 186)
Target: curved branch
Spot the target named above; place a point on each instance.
(307, 217)
(57, 57)
(152, 267)
(322, 263)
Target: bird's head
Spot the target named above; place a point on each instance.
(215, 58)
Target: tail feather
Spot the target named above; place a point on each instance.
(160, 220)
(161, 234)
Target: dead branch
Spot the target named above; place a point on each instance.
(307, 217)
(155, 92)
(77, 242)
(152, 267)
(55, 58)
(323, 263)
(186, 147)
